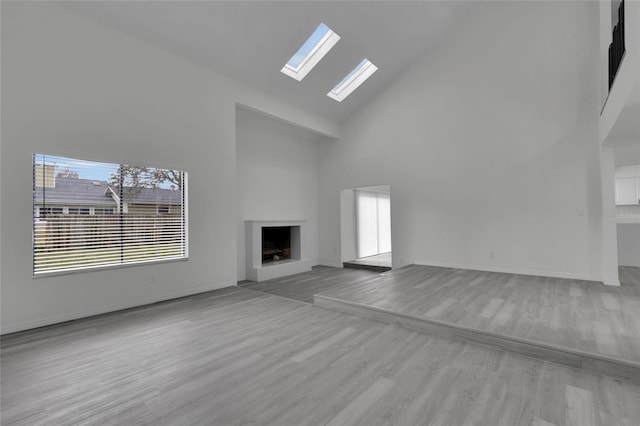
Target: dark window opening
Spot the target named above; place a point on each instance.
(79, 210)
(44, 211)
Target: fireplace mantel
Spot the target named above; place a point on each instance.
(299, 261)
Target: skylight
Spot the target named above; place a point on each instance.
(311, 52)
(353, 80)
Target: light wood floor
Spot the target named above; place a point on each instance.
(303, 286)
(240, 357)
(581, 315)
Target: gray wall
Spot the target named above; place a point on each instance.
(629, 244)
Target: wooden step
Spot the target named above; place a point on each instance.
(589, 362)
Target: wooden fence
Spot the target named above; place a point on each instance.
(104, 231)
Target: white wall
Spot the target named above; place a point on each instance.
(630, 171)
(74, 88)
(348, 237)
(277, 177)
(627, 155)
(490, 145)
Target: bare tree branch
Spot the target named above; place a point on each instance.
(134, 178)
(68, 173)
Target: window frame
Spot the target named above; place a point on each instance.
(352, 80)
(63, 210)
(315, 55)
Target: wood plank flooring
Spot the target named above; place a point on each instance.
(580, 315)
(303, 286)
(238, 357)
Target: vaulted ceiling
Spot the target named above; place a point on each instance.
(250, 41)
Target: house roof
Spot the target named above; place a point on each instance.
(153, 196)
(86, 191)
(75, 191)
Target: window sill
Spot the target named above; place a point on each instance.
(81, 270)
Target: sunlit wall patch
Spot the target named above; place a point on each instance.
(311, 52)
(353, 80)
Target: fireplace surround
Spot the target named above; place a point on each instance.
(275, 248)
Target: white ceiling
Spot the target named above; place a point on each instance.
(250, 41)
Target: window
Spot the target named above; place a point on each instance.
(373, 212)
(353, 80)
(311, 52)
(79, 210)
(68, 237)
(47, 211)
(100, 210)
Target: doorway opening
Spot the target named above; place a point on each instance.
(627, 200)
(366, 228)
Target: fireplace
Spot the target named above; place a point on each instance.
(275, 248)
(276, 244)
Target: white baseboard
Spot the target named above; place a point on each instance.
(534, 272)
(55, 319)
(612, 283)
(331, 264)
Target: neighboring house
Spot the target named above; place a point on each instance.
(147, 200)
(94, 197)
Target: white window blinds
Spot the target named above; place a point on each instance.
(89, 214)
(374, 223)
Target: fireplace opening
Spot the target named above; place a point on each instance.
(276, 244)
